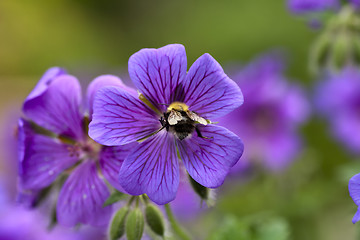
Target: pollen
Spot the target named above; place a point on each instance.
(179, 106)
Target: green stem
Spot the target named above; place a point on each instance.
(175, 225)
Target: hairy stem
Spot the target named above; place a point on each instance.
(178, 230)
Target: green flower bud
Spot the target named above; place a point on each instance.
(356, 49)
(154, 219)
(117, 226)
(341, 51)
(320, 53)
(135, 225)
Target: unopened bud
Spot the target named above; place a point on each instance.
(320, 53)
(154, 219)
(135, 225)
(341, 51)
(356, 49)
(117, 225)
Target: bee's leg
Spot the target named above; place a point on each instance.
(162, 121)
(200, 135)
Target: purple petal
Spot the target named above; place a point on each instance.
(111, 160)
(355, 3)
(103, 81)
(82, 197)
(354, 190)
(152, 168)
(44, 82)
(344, 85)
(356, 217)
(41, 158)
(27, 198)
(158, 72)
(209, 91)
(344, 126)
(295, 105)
(209, 160)
(58, 107)
(120, 118)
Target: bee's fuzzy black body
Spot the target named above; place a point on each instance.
(183, 128)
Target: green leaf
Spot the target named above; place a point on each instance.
(117, 226)
(154, 219)
(273, 229)
(114, 197)
(231, 228)
(135, 225)
(255, 227)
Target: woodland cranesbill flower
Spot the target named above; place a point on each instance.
(339, 93)
(65, 148)
(172, 118)
(273, 111)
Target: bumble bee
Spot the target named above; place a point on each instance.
(181, 121)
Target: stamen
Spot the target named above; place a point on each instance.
(152, 134)
(149, 104)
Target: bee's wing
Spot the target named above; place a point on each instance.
(193, 116)
(174, 117)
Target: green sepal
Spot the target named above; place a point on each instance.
(154, 219)
(200, 190)
(135, 224)
(356, 49)
(340, 51)
(114, 197)
(320, 53)
(117, 225)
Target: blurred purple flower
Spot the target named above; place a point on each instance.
(339, 93)
(179, 100)
(308, 6)
(355, 3)
(317, 6)
(55, 104)
(18, 223)
(269, 120)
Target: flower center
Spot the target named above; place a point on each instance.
(88, 149)
(264, 119)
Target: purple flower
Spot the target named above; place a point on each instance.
(55, 104)
(354, 190)
(172, 120)
(355, 3)
(339, 93)
(308, 6)
(269, 120)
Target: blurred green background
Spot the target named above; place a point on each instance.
(90, 38)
